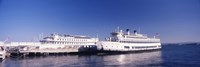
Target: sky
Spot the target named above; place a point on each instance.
(174, 20)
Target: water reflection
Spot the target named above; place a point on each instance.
(121, 60)
(134, 59)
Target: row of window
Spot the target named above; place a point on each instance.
(71, 39)
(138, 37)
(65, 42)
(88, 46)
(139, 47)
(138, 42)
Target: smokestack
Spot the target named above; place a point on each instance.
(135, 32)
(128, 32)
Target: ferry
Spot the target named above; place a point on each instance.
(78, 43)
(56, 43)
(127, 42)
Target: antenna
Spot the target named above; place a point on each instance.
(139, 30)
(97, 35)
(118, 28)
(42, 35)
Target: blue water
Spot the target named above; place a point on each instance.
(168, 56)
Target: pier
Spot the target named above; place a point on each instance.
(41, 52)
(45, 50)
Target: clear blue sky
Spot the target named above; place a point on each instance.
(174, 20)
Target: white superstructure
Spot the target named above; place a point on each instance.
(70, 41)
(126, 41)
(75, 40)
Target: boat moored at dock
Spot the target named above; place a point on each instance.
(76, 43)
(126, 42)
(57, 43)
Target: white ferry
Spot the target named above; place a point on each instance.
(126, 41)
(71, 42)
(56, 43)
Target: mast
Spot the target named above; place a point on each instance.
(97, 36)
(41, 36)
(139, 30)
(118, 29)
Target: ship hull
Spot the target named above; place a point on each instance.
(107, 46)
